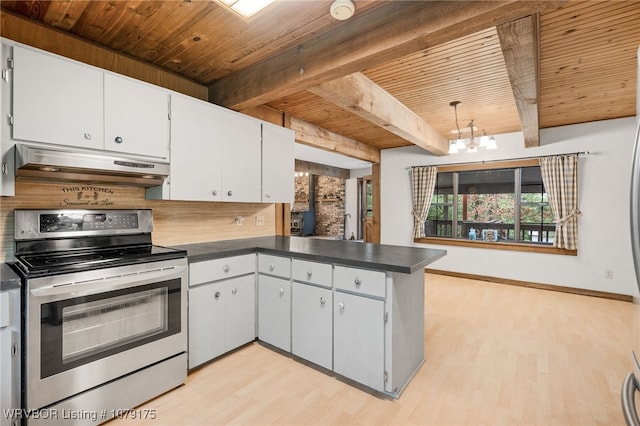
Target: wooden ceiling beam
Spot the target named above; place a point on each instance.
(384, 34)
(520, 43)
(361, 96)
(315, 136)
(321, 169)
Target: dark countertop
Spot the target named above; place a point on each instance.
(8, 278)
(381, 257)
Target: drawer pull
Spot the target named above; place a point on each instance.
(225, 268)
(341, 305)
(358, 282)
(234, 290)
(281, 291)
(322, 300)
(272, 267)
(309, 273)
(217, 295)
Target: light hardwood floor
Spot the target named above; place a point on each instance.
(496, 355)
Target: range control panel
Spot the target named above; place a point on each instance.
(65, 222)
(38, 224)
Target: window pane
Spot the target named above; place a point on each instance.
(536, 220)
(440, 217)
(486, 204)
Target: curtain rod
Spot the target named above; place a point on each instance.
(500, 161)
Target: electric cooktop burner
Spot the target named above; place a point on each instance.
(70, 261)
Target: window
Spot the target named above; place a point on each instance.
(503, 204)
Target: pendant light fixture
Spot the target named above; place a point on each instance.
(469, 142)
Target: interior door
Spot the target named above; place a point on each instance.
(365, 208)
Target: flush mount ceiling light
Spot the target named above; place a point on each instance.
(469, 141)
(246, 8)
(342, 9)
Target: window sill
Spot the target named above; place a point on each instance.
(531, 248)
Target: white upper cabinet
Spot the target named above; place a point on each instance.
(136, 117)
(196, 173)
(59, 101)
(278, 164)
(241, 159)
(56, 101)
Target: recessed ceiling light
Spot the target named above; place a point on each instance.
(246, 8)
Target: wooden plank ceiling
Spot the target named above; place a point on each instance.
(424, 54)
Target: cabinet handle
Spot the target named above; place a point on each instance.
(234, 290)
(88, 136)
(118, 139)
(309, 273)
(229, 193)
(14, 350)
(214, 192)
(217, 295)
(4, 168)
(225, 268)
(322, 300)
(341, 305)
(281, 291)
(357, 282)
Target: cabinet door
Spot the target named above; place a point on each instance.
(7, 170)
(196, 173)
(56, 101)
(206, 323)
(312, 324)
(358, 339)
(240, 311)
(10, 354)
(241, 157)
(136, 117)
(274, 311)
(277, 164)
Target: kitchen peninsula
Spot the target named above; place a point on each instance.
(356, 309)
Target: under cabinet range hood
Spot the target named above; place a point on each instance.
(70, 164)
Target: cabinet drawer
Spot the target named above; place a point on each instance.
(362, 281)
(218, 269)
(274, 265)
(311, 272)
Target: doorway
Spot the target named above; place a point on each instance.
(365, 208)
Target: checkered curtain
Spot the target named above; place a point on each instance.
(423, 182)
(560, 178)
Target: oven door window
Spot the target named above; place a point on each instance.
(81, 330)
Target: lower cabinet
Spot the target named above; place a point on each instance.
(358, 339)
(312, 324)
(365, 325)
(10, 357)
(221, 318)
(274, 311)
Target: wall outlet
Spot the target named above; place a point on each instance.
(259, 220)
(608, 274)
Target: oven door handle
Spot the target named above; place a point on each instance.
(102, 285)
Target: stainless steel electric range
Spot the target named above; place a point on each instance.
(105, 314)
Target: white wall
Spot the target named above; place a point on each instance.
(603, 197)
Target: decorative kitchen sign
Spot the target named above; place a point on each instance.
(87, 196)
